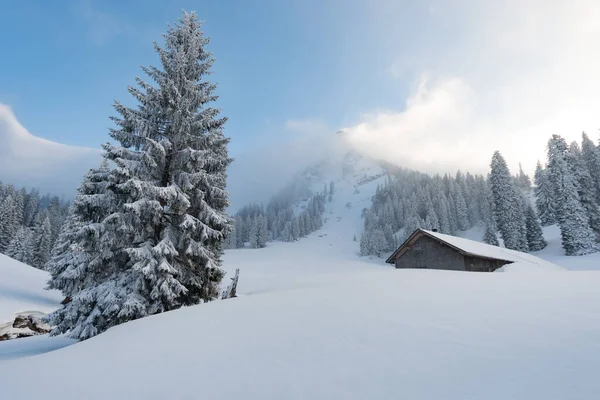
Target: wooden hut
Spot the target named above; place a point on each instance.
(433, 250)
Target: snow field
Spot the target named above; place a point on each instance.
(316, 321)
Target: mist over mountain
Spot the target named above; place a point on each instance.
(255, 176)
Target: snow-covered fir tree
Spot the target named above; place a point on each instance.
(535, 237)
(279, 220)
(585, 186)
(410, 200)
(577, 236)
(545, 200)
(19, 246)
(159, 247)
(76, 257)
(591, 156)
(253, 234)
(522, 180)
(8, 221)
(21, 209)
(508, 212)
(487, 212)
(490, 236)
(41, 243)
(461, 211)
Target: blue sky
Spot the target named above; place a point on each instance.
(281, 65)
(434, 85)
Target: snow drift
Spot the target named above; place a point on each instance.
(22, 289)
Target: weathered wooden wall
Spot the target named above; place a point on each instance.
(482, 264)
(426, 252)
(429, 253)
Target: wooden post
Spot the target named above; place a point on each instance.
(230, 291)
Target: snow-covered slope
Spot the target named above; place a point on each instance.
(316, 321)
(22, 289)
(313, 320)
(311, 325)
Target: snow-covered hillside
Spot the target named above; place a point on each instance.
(22, 289)
(314, 320)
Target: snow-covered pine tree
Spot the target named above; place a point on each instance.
(76, 259)
(412, 224)
(262, 232)
(452, 214)
(20, 197)
(253, 234)
(535, 237)
(56, 217)
(490, 236)
(461, 211)
(577, 236)
(522, 180)
(431, 219)
(31, 208)
(18, 246)
(379, 243)
(487, 212)
(161, 246)
(508, 212)
(474, 202)
(8, 221)
(443, 215)
(389, 244)
(463, 189)
(42, 241)
(231, 242)
(591, 156)
(545, 198)
(585, 186)
(366, 243)
(301, 226)
(239, 236)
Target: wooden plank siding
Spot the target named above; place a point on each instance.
(424, 251)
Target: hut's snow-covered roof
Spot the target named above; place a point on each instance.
(478, 249)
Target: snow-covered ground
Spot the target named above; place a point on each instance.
(315, 321)
(22, 289)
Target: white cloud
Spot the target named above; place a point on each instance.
(29, 161)
(430, 134)
(506, 76)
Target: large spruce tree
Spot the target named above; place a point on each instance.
(585, 185)
(545, 200)
(577, 236)
(508, 210)
(535, 237)
(159, 246)
(591, 157)
(76, 257)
